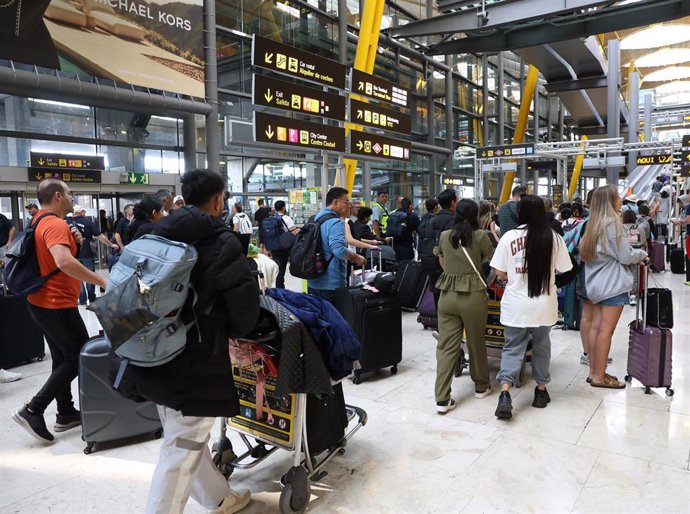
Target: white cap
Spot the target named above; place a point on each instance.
(77, 209)
(178, 198)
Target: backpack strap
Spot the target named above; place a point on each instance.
(320, 222)
(34, 225)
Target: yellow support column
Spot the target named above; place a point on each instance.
(521, 126)
(365, 59)
(576, 170)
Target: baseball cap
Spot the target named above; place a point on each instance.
(178, 198)
(77, 209)
(31, 206)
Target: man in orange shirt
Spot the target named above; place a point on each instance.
(54, 309)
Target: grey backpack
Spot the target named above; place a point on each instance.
(148, 291)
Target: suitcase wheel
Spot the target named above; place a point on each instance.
(89, 448)
(394, 370)
(296, 491)
(158, 433)
(647, 390)
(628, 378)
(669, 391)
(40, 357)
(357, 377)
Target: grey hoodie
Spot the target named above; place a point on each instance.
(609, 274)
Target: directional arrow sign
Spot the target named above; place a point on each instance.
(279, 94)
(81, 176)
(379, 117)
(138, 178)
(297, 63)
(380, 89)
(298, 134)
(67, 162)
(374, 145)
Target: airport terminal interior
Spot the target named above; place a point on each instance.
(286, 99)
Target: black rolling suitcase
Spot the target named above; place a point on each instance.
(326, 420)
(410, 282)
(106, 415)
(677, 261)
(21, 340)
(376, 319)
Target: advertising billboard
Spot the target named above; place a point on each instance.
(156, 44)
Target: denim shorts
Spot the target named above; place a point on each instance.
(616, 301)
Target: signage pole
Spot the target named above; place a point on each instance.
(189, 134)
(324, 178)
(211, 80)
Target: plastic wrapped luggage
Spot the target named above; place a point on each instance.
(650, 351)
(21, 340)
(411, 282)
(106, 415)
(428, 316)
(376, 319)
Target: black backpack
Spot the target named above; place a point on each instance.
(306, 254)
(22, 272)
(427, 240)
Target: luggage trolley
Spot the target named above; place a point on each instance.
(283, 427)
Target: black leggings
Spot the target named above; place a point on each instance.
(65, 333)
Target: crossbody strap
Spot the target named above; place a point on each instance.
(473, 266)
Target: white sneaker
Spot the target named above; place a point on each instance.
(479, 395)
(235, 501)
(8, 376)
(633, 299)
(435, 334)
(584, 359)
(443, 407)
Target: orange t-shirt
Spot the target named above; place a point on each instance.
(61, 291)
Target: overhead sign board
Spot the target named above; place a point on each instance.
(138, 178)
(648, 160)
(57, 161)
(380, 89)
(685, 162)
(686, 141)
(76, 176)
(449, 181)
(297, 133)
(292, 61)
(376, 116)
(373, 145)
(490, 152)
(293, 97)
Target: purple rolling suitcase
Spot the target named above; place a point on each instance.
(656, 254)
(649, 349)
(427, 311)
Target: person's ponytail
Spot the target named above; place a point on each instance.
(465, 223)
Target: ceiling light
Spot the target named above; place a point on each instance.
(664, 57)
(656, 36)
(667, 74)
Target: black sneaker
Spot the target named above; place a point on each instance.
(32, 423)
(541, 398)
(444, 407)
(504, 410)
(66, 421)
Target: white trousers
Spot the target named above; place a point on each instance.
(185, 466)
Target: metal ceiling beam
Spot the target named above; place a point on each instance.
(574, 85)
(624, 17)
(504, 13)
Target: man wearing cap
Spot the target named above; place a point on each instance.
(630, 204)
(32, 208)
(178, 202)
(89, 231)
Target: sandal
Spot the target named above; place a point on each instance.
(611, 377)
(609, 382)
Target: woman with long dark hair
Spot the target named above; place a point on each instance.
(463, 303)
(145, 213)
(528, 257)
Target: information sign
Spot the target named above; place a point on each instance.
(373, 145)
(370, 115)
(297, 133)
(380, 89)
(293, 97)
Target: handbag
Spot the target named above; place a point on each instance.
(660, 307)
(476, 270)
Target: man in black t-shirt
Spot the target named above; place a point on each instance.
(89, 231)
(260, 215)
(122, 224)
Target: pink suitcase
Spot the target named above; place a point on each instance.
(649, 349)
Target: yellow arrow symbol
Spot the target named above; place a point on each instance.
(268, 58)
(359, 114)
(38, 176)
(41, 162)
(359, 145)
(268, 96)
(361, 86)
(269, 132)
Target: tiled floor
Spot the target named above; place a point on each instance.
(591, 450)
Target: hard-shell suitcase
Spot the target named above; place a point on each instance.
(410, 281)
(376, 319)
(650, 350)
(107, 415)
(21, 340)
(677, 261)
(656, 254)
(428, 317)
(572, 308)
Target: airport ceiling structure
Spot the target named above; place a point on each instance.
(566, 40)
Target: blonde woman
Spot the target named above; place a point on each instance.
(607, 255)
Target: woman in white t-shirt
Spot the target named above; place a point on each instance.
(528, 257)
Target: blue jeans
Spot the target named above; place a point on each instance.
(324, 294)
(514, 350)
(87, 289)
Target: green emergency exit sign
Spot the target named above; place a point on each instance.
(138, 178)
